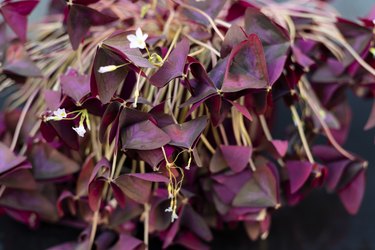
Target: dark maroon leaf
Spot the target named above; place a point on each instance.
(23, 67)
(135, 188)
(237, 9)
(138, 186)
(15, 15)
(173, 230)
(173, 67)
(65, 196)
(80, 19)
(280, 146)
(48, 163)
(109, 116)
(190, 241)
(259, 191)
(298, 172)
(351, 196)
(96, 188)
(84, 176)
(242, 109)
(29, 218)
(29, 201)
(127, 242)
(152, 177)
(237, 157)
(217, 162)
(357, 36)
(154, 157)
(63, 129)
(8, 160)
(301, 58)
(371, 120)
(335, 172)
(107, 83)
(144, 136)
(274, 39)
(193, 221)
(75, 85)
(103, 167)
(247, 68)
(186, 134)
(20, 179)
(118, 194)
(234, 36)
(85, 2)
(159, 219)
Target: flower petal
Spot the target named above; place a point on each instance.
(139, 33)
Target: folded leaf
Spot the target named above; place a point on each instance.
(298, 172)
(107, 83)
(237, 157)
(259, 191)
(144, 136)
(352, 195)
(173, 67)
(15, 15)
(186, 134)
(246, 68)
(75, 85)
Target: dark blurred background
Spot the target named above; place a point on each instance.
(319, 222)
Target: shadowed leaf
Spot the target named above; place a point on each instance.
(298, 172)
(259, 191)
(237, 157)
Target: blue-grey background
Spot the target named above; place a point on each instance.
(319, 222)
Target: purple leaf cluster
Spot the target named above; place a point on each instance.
(170, 135)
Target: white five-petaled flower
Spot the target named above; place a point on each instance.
(168, 210)
(80, 130)
(58, 114)
(109, 68)
(138, 40)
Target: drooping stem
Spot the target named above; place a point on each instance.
(94, 226)
(207, 144)
(173, 43)
(325, 127)
(301, 132)
(268, 135)
(265, 128)
(209, 19)
(147, 208)
(22, 119)
(202, 44)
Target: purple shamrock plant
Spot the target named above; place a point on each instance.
(124, 118)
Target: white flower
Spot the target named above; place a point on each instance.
(174, 216)
(80, 130)
(108, 68)
(169, 209)
(138, 40)
(58, 114)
